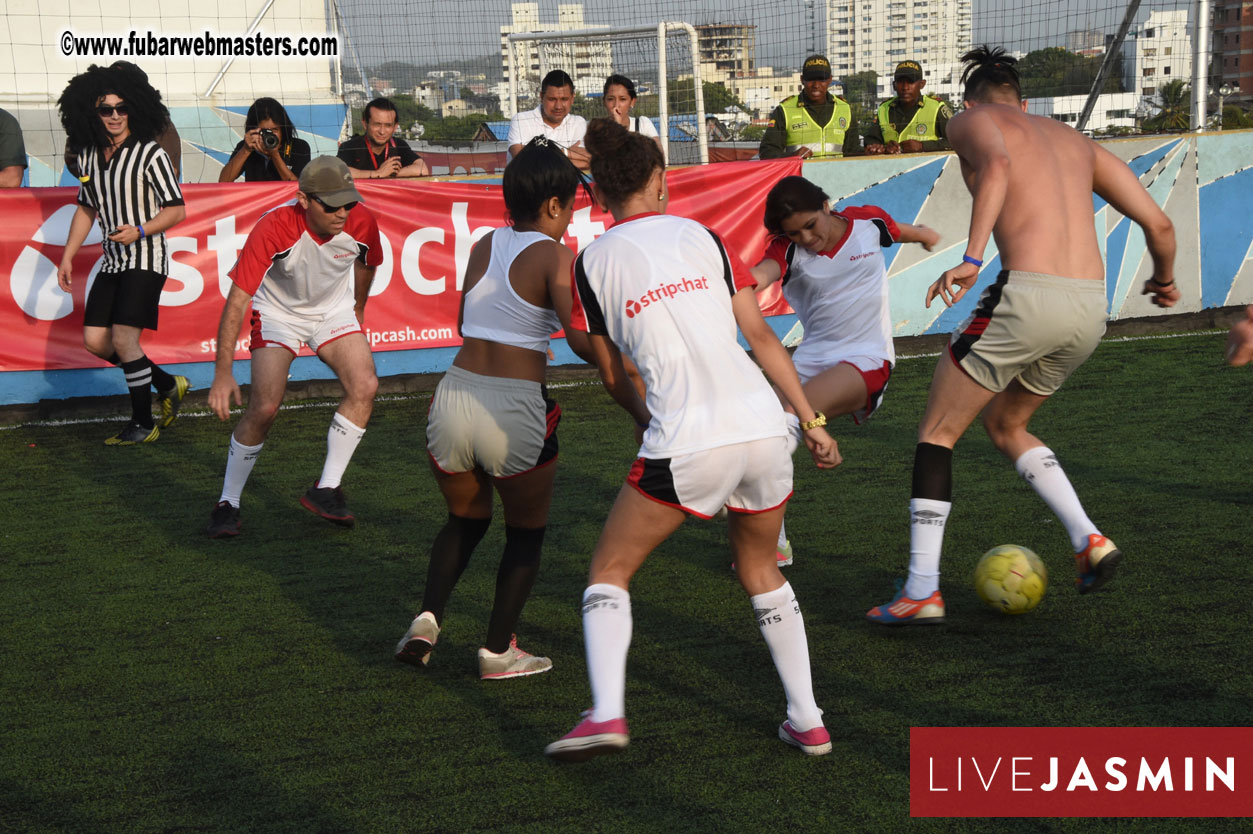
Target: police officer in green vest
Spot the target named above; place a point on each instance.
(814, 124)
(911, 122)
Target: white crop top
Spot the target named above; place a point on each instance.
(494, 311)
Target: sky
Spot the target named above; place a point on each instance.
(425, 31)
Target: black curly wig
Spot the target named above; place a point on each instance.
(77, 105)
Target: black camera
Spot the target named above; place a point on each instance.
(269, 138)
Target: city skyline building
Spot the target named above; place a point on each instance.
(865, 35)
(1233, 49)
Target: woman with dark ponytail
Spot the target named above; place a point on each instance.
(491, 426)
(666, 292)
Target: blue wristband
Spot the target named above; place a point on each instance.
(971, 260)
(141, 232)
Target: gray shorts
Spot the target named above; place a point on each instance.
(1031, 327)
(503, 426)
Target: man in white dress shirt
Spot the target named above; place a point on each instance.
(552, 119)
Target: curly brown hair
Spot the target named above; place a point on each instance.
(622, 162)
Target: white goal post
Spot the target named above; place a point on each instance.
(611, 35)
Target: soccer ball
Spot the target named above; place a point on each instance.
(1011, 579)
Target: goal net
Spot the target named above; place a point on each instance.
(661, 60)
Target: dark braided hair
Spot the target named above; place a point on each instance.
(622, 162)
(147, 116)
(539, 171)
(990, 70)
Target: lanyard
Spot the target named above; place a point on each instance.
(386, 149)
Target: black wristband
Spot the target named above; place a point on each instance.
(1160, 284)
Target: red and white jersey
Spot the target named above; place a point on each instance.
(841, 296)
(660, 288)
(289, 270)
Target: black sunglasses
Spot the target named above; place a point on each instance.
(105, 110)
(332, 209)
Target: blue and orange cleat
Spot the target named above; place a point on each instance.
(905, 611)
(1096, 563)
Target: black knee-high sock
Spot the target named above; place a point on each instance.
(450, 553)
(519, 566)
(161, 380)
(933, 472)
(114, 360)
(138, 378)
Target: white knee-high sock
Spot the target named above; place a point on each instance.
(927, 518)
(341, 441)
(779, 617)
(1041, 469)
(607, 637)
(239, 462)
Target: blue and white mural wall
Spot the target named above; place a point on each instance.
(1204, 183)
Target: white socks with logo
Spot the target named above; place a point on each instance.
(239, 462)
(606, 638)
(926, 537)
(341, 441)
(779, 618)
(1041, 469)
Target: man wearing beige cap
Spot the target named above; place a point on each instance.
(306, 267)
(911, 122)
(814, 124)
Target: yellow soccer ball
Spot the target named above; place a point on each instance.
(1011, 579)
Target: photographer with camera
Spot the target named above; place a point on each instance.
(270, 150)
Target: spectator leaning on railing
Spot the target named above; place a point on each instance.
(377, 153)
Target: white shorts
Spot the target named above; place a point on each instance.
(271, 329)
(752, 477)
(503, 426)
(810, 363)
(875, 372)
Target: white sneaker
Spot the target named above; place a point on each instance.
(511, 663)
(415, 647)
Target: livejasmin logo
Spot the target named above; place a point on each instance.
(1081, 771)
(664, 292)
(1023, 774)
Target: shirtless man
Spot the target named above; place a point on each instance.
(1032, 180)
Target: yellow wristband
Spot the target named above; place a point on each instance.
(820, 420)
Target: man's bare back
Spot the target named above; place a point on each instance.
(1032, 180)
(1045, 223)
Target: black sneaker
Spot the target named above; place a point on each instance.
(133, 433)
(224, 521)
(330, 503)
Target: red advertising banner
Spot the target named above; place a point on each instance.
(1081, 771)
(427, 231)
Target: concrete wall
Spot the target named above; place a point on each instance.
(1205, 183)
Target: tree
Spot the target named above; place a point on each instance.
(862, 88)
(1234, 118)
(682, 98)
(1059, 72)
(1176, 107)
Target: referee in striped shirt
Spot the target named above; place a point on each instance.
(130, 186)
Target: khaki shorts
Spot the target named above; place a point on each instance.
(750, 477)
(503, 426)
(1031, 327)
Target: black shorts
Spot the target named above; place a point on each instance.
(131, 297)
